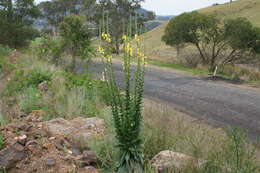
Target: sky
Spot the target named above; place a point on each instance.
(175, 7)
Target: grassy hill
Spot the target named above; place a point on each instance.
(157, 50)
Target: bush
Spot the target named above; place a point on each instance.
(29, 100)
(4, 50)
(48, 48)
(5, 66)
(22, 79)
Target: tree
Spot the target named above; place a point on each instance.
(76, 38)
(216, 42)
(16, 22)
(118, 12)
(55, 11)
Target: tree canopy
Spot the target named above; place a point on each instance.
(118, 14)
(16, 22)
(76, 37)
(217, 42)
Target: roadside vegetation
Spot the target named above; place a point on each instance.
(244, 68)
(43, 77)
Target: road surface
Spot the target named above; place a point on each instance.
(219, 104)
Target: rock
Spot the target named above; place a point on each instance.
(50, 162)
(43, 86)
(90, 157)
(21, 139)
(35, 116)
(11, 155)
(77, 129)
(90, 169)
(49, 146)
(32, 142)
(173, 160)
(75, 150)
(32, 146)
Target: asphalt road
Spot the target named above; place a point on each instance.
(219, 104)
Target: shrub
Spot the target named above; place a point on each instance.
(23, 79)
(76, 38)
(29, 100)
(5, 65)
(4, 50)
(48, 48)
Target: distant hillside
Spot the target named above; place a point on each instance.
(242, 8)
(164, 18)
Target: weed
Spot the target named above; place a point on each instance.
(126, 109)
(30, 100)
(22, 79)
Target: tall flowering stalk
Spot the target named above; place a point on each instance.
(127, 107)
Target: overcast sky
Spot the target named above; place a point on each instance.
(175, 7)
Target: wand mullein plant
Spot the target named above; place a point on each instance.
(127, 107)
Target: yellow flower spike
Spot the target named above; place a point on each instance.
(109, 58)
(131, 51)
(103, 35)
(137, 38)
(124, 37)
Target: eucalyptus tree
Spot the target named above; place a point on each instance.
(118, 14)
(16, 24)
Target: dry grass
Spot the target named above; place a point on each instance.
(165, 128)
(168, 129)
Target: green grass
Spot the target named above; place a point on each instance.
(193, 71)
(198, 72)
(1, 141)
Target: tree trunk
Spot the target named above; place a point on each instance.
(201, 54)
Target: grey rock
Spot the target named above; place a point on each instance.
(50, 162)
(11, 155)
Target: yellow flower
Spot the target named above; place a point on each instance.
(124, 37)
(137, 38)
(131, 51)
(109, 58)
(101, 50)
(106, 37)
(139, 52)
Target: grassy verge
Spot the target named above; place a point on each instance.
(201, 72)
(193, 71)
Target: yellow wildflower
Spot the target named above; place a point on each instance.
(101, 50)
(106, 37)
(124, 37)
(131, 51)
(137, 38)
